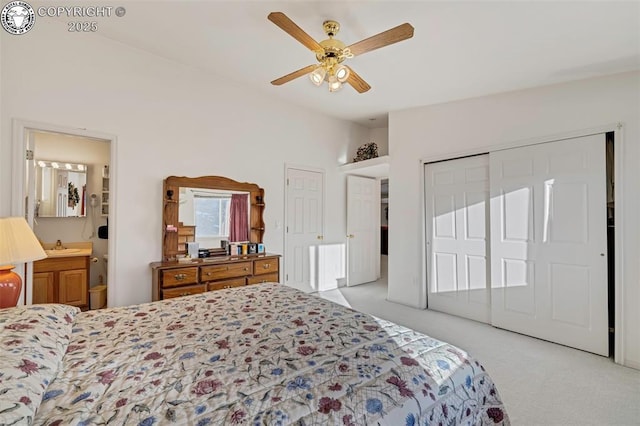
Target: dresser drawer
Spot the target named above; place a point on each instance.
(179, 276)
(183, 291)
(219, 285)
(264, 278)
(229, 270)
(265, 266)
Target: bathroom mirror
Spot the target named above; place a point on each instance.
(213, 194)
(60, 189)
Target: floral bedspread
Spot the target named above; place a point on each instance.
(263, 354)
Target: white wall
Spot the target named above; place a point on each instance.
(169, 119)
(480, 123)
(381, 137)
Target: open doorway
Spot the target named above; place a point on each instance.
(67, 185)
(366, 214)
(384, 227)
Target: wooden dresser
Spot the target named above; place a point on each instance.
(174, 279)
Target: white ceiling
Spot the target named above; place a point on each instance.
(459, 50)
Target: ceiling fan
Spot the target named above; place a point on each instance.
(331, 52)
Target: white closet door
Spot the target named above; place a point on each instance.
(457, 198)
(363, 225)
(548, 242)
(304, 227)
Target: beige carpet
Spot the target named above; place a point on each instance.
(541, 383)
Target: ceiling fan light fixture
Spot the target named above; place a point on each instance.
(342, 73)
(317, 75)
(331, 52)
(334, 84)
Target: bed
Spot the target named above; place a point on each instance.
(262, 354)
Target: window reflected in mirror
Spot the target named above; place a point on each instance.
(205, 214)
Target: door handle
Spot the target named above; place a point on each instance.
(350, 236)
(319, 237)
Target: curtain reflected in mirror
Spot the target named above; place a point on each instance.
(239, 218)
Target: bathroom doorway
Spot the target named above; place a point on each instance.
(67, 184)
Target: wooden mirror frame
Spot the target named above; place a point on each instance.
(170, 209)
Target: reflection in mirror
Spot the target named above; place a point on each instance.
(244, 196)
(60, 189)
(205, 216)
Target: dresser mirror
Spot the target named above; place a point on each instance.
(60, 189)
(202, 204)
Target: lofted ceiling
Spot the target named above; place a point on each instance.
(459, 50)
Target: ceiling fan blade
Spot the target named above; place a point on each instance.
(290, 27)
(357, 82)
(287, 78)
(394, 35)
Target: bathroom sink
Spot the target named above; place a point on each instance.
(62, 252)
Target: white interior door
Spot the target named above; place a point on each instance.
(548, 242)
(457, 206)
(363, 227)
(304, 227)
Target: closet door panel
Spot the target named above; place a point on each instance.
(456, 197)
(548, 242)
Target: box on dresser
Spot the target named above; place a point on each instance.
(174, 279)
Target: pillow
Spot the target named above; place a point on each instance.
(33, 340)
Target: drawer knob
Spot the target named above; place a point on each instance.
(185, 294)
(180, 277)
(246, 269)
(227, 286)
(266, 265)
(208, 273)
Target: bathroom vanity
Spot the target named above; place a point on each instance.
(63, 277)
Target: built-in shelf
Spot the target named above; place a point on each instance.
(104, 205)
(375, 167)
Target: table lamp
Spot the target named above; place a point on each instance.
(18, 244)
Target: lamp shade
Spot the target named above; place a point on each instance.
(18, 243)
